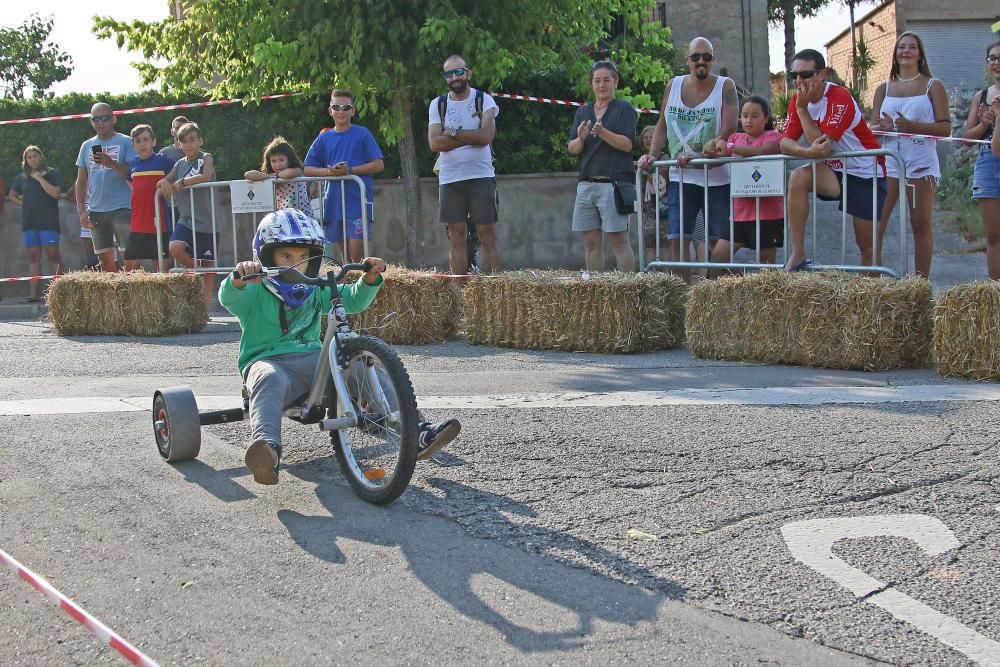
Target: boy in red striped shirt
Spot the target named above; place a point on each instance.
(144, 172)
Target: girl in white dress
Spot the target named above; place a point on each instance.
(912, 102)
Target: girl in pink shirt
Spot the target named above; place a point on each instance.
(758, 138)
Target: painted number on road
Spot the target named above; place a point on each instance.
(811, 542)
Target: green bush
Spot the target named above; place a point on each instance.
(531, 136)
(955, 194)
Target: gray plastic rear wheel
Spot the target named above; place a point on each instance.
(176, 424)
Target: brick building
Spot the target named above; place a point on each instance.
(737, 30)
(955, 36)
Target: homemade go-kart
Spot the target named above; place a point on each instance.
(360, 393)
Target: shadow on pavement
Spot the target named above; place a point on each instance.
(446, 561)
(217, 482)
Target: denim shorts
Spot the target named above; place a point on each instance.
(986, 179)
(34, 238)
(694, 201)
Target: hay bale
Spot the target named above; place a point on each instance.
(610, 312)
(93, 303)
(967, 331)
(828, 319)
(412, 308)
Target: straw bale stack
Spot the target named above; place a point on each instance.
(610, 312)
(828, 319)
(967, 331)
(94, 303)
(412, 308)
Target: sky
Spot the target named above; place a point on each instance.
(99, 66)
(815, 32)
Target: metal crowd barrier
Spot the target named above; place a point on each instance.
(706, 163)
(237, 220)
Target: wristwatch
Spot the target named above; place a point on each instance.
(453, 132)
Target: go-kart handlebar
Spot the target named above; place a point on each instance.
(298, 276)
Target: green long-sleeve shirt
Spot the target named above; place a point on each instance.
(258, 311)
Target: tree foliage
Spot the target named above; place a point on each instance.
(28, 60)
(389, 52)
(784, 12)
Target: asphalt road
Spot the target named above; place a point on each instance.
(798, 516)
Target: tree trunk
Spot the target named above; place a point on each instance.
(854, 48)
(411, 182)
(789, 11)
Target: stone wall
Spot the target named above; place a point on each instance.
(536, 213)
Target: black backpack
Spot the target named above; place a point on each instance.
(443, 111)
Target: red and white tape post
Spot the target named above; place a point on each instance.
(101, 631)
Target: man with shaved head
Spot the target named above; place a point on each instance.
(698, 108)
(103, 196)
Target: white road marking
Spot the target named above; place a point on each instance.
(811, 542)
(759, 396)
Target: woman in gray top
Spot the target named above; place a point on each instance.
(602, 136)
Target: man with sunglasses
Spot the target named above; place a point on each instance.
(698, 108)
(467, 182)
(346, 150)
(103, 195)
(831, 120)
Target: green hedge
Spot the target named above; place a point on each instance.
(531, 136)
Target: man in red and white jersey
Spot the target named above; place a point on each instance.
(832, 122)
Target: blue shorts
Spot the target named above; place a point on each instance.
(694, 201)
(205, 242)
(859, 196)
(986, 179)
(34, 238)
(335, 230)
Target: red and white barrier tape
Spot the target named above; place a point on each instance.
(549, 100)
(165, 107)
(17, 280)
(101, 631)
(883, 133)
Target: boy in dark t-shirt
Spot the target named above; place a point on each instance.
(144, 172)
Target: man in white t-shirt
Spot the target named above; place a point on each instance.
(467, 181)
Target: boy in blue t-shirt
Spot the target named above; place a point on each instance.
(346, 150)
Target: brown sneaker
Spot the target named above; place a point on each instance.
(263, 459)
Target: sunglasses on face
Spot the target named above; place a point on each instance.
(103, 118)
(458, 71)
(701, 57)
(341, 107)
(993, 60)
(804, 74)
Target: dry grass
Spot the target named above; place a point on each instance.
(828, 319)
(610, 312)
(94, 303)
(967, 331)
(411, 308)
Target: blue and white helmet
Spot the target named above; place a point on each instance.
(289, 227)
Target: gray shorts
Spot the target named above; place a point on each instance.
(474, 200)
(595, 209)
(106, 226)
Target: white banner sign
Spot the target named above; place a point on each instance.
(252, 197)
(752, 178)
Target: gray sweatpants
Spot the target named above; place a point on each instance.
(273, 383)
